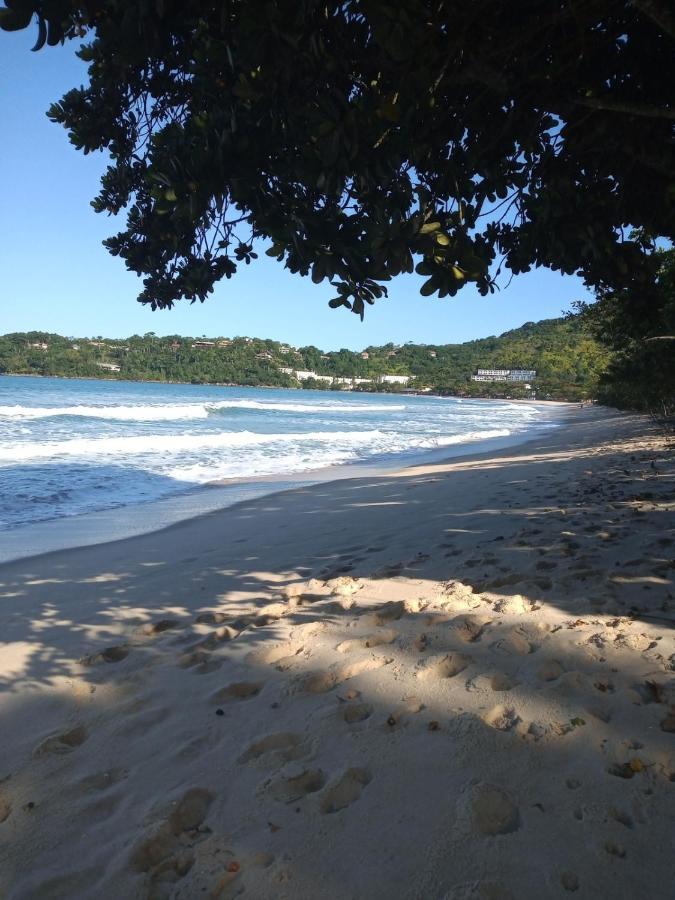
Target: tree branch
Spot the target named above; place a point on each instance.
(660, 13)
(630, 109)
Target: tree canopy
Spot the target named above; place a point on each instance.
(365, 138)
(639, 329)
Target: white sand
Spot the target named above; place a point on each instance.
(454, 681)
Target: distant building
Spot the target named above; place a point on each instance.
(362, 380)
(433, 354)
(284, 349)
(109, 367)
(394, 379)
(364, 355)
(38, 345)
(203, 345)
(286, 370)
(264, 355)
(224, 343)
(518, 375)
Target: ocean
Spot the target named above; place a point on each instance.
(73, 447)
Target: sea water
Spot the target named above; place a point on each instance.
(70, 447)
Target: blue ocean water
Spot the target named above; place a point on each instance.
(75, 446)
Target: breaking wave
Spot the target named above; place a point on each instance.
(172, 412)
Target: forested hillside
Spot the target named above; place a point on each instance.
(567, 359)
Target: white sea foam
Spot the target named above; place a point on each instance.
(118, 413)
(319, 407)
(172, 445)
(174, 412)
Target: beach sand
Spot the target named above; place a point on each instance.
(454, 681)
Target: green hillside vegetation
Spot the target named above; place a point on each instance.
(567, 359)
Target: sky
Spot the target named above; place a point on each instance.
(56, 276)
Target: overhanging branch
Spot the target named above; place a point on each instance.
(661, 13)
(630, 109)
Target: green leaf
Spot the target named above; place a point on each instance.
(318, 271)
(429, 287)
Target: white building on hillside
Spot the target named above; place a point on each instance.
(504, 375)
(394, 379)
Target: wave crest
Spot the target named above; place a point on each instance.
(379, 442)
(170, 412)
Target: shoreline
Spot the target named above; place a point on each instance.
(471, 659)
(132, 520)
(299, 387)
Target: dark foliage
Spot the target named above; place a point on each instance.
(639, 327)
(364, 139)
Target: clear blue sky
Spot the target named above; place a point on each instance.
(57, 277)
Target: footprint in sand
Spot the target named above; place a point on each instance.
(388, 612)
(65, 742)
(550, 670)
(100, 808)
(139, 723)
(470, 628)
(345, 791)
(282, 657)
(357, 712)
(516, 605)
(500, 681)
(212, 640)
(488, 810)
(502, 718)
(569, 881)
(211, 618)
(295, 781)
(445, 666)
(200, 662)
(386, 636)
(505, 580)
(238, 690)
(165, 856)
(153, 628)
(109, 655)
(101, 781)
(5, 809)
(275, 748)
(321, 682)
(269, 614)
(517, 641)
